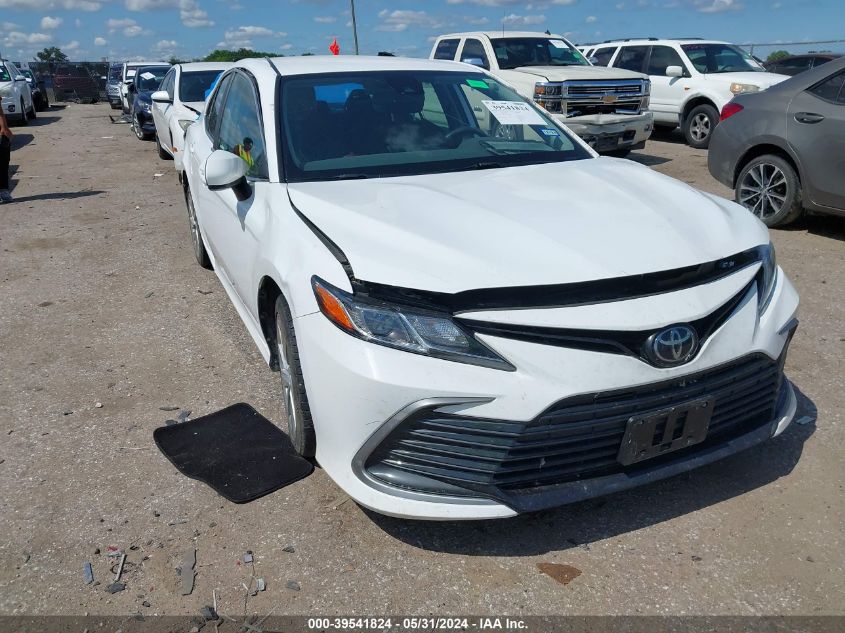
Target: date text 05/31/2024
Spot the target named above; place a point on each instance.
(415, 623)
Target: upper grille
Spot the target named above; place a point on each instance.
(581, 98)
(577, 438)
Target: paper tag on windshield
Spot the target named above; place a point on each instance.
(558, 43)
(514, 113)
(147, 76)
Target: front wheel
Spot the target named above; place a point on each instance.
(300, 425)
(196, 237)
(699, 125)
(769, 187)
(136, 127)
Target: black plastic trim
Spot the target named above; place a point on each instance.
(565, 295)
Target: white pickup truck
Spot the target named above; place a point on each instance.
(607, 107)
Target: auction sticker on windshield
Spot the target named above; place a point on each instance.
(558, 43)
(514, 113)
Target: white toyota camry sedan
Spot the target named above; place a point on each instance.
(474, 315)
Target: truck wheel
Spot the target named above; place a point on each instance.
(769, 187)
(699, 125)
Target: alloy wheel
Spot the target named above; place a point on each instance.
(287, 382)
(136, 127)
(196, 238)
(763, 190)
(700, 127)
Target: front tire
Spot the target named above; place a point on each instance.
(300, 425)
(196, 237)
(163, 155)
(699, 125)
(136, 127)
(769, 187)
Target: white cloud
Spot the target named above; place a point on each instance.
(165, 47)
(717, 6)
(325, 19)
(16, 38)
(70, 46)
(524, 20)
(190, 11)
(590, 19)
(48, 23)
(100, 41)
(506, 3)
(399, 20)
(241, 37)
(46, 5)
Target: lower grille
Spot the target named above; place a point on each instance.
(577, 438)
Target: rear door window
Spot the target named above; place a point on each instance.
(831, 89)
(631, 58)
(446, 49)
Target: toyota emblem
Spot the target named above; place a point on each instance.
(672, 346)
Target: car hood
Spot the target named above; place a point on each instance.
(764, 80)
(564, 73)
(523, 226)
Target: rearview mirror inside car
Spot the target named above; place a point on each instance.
(225, 170)
(674, 71)
(161, 96)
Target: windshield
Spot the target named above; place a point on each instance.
(720, 58)
(150, 78)
(194, 86)
(513, 52)
(114, 73)
(363, 125)
(4, 73)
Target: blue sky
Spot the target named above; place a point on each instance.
(126, 29)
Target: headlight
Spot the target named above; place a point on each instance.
(7, 92)
(647, 86)
(185, 124)
(146, 107)
(738, 88)
(766, 277)
(409, 329)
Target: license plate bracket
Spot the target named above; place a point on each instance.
(664, 431)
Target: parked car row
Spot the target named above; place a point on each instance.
(18, 104)
(472, 313)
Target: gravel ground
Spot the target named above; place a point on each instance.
(105, 318)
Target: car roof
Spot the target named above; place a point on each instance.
(493, 35)
(196, 66)
(314, 64)
(800, 55)
(140, 64)
(657, 40)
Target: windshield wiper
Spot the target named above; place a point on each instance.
(351, 176)
(192, 109)
(482, 164)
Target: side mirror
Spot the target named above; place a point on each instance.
(28, 80)
(474, 61)
(20, 78)
(161, 96)
(225, 170)
(674, 71)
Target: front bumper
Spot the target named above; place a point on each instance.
(609, 132)
(359, 393)
(146, 120)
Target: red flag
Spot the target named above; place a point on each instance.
(334, 48)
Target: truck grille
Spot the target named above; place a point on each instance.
(583, 98)
(576, 438)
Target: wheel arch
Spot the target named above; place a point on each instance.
(694, 102)
(268, 292)
(762, 149)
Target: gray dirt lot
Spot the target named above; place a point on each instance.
(101, 302)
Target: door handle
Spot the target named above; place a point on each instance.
(809, 117)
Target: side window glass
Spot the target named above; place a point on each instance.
(240, 127)
(446, 49)
(603, 55)
(167, 84)
(831, 89)
(473, 49)
(631, 58)
(212, 111)
(661, 58)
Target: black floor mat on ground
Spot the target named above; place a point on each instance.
(236, 451)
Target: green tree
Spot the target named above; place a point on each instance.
(51, 54)
(776, 55)
(221, 55)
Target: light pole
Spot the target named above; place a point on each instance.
(354, 25)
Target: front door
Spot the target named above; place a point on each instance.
(815, 128)
(234, 227)
(667, 93)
